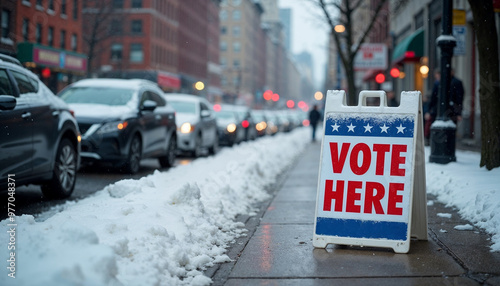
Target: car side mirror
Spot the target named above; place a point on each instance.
(205, 113)
(149, 105)
(7, 102)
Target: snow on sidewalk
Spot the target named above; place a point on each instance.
(163, 229)
(473, 191)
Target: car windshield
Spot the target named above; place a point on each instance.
(97, 95)
(225, 114)
(183, 106)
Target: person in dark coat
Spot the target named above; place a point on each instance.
(314, 117)
(454, 106)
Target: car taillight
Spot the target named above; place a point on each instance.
(245, 124)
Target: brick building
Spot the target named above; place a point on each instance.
(46, 36)
(135, 39)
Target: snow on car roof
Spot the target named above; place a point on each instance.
(114, 82)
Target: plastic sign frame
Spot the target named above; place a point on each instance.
(371, 183)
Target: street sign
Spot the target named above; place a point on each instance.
(371, 56)
(371, 185)
(459, 32)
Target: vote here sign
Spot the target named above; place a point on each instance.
(365, 182)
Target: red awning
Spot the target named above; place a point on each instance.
(168, 80)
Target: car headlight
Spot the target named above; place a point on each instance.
(112, 126)
(186, 127)
(231, 127)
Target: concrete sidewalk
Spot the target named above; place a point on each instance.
(279, 248)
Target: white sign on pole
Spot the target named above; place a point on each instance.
(371, 185)
(459, 32)
(371, 56)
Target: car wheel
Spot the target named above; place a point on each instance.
(168, 160)
(215, 147)
(133, 162)
(64, 174)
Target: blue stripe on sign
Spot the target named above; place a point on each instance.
(370, 126)
(361, 228)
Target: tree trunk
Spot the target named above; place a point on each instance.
(352, 93)
(489, 82)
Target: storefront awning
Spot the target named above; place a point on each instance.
(50, 57)
(410, 49)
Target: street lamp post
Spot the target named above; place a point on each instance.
(443, 130)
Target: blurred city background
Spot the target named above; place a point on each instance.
(240, 51)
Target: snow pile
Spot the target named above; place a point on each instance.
(163, 229)
(473, 191)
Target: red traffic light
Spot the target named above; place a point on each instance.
(275, 97)
(46, 73)
(380, 78)
(268, 94)
(395, 72)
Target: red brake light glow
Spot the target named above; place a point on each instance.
(245, 124)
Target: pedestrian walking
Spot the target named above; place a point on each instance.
(314, 117)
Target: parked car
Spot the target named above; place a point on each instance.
(196, 124)
(261, 122)
(39, 137)
(122, 121)
(230, 131)
(246, 121)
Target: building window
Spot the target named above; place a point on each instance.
(39, 4)
(236, 47)
(5, 24)
(223, 46)
(223, 15)
(74, 42)
(25, 29)
(116, 52)
(63, 7)
(116, 27)
(118, 4)
(223, 30)
(51, 5)
(223, 62)
(236, 2)
(236, 31)
(38, 33)
(75, 9)
(136, 53)
(236, 15)
(236, 63)
(50, 37)
(136, 27)
(62, 40)
(136, 3)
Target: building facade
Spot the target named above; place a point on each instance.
(240, 39)
(135, 39)
(46, 36)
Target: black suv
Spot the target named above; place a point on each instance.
(39, 137)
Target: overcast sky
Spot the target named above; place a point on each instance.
(309, 33)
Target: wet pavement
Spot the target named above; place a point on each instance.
(278, 249)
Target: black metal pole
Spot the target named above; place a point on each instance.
(443, 129)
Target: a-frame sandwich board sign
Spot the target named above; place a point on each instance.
(371, 183)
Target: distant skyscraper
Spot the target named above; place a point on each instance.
(286, 19)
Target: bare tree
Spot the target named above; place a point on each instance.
(348, 43)
(97, 15)
(489, 81)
